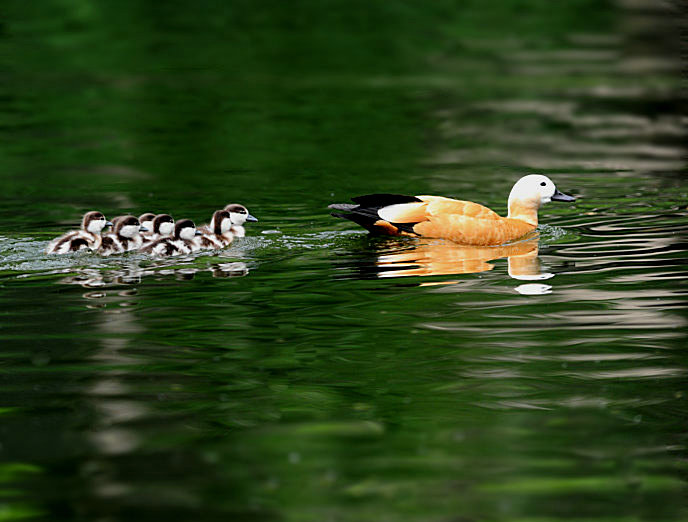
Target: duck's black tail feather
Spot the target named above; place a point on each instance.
(364, 213)
(378, 201)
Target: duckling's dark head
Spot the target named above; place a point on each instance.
(94, 222)
(184, 229)
(163, 224)
(147, 216)
(128, 226)
(239, 214)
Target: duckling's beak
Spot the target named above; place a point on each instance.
(143, 229)
(108, 223)
(560, 196)
(251, 218)
(198, 233)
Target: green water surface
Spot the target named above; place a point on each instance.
(311, 372)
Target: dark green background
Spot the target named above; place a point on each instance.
(300, 385)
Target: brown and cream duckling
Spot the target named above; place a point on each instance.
(183, 241)
(87, 237)
(115, 219)
(146, 220)
(162, 226)
(239, 215)
(125, 236)
(217, 234)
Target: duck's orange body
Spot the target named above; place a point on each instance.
(467, 223)
(463, 222)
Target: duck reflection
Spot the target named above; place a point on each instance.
(440, 258)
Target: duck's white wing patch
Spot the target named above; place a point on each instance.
(404, 212)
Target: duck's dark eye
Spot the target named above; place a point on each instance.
(543, 184)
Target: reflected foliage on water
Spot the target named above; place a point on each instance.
(310, 372)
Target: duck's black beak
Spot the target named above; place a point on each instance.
(251, 218)
(108, 223)
(143, 229)
(560, 196)
(198, 233)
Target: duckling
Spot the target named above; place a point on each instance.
(89, 236)
(126, 236)
(115, 219)
(146, 220)
(162, 226)
(463, 222)
(217, 234)
(181, 243)
(239, 215)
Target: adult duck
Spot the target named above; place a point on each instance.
(463, 222)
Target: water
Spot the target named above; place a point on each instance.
(311, 372)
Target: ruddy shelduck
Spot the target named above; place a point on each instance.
(463, 222)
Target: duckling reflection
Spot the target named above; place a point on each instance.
(92, 278)
(235, 269)
(438, 257)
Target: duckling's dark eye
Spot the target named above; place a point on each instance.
(543, 184)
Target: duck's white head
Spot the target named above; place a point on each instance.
(530, 193)
(185, 229)
(239, 214)
(163, 225)
(94, 222)
(537, 189)
(128, 227)
(221, 222)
